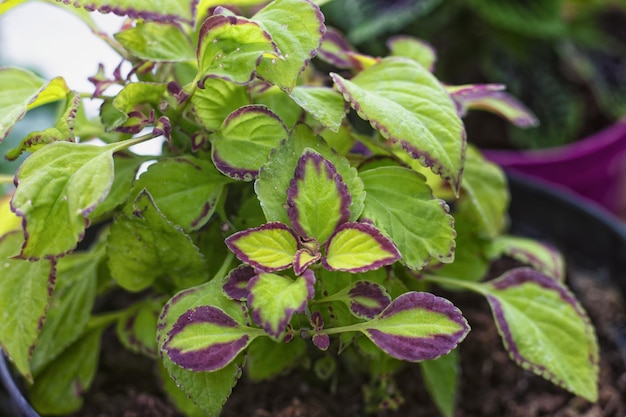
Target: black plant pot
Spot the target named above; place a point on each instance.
(589, 237)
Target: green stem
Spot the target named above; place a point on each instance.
(344, 329)
(105, 319)
(221, 273)
(457, 283)
(120, 146)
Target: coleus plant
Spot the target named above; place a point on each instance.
(271, 233)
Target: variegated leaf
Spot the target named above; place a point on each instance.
(55, 211)
(276, 175)
(318, 200)
(254, 128)
(62, 131)
(359, 247)
(303, 259)
(25, 291)
(492, 98)
(274, 299)
(545, 329)
(367, 299)
(206, 339)
(216, 100)
(541, 256)
(208, 390)
(236, 282)
(297, 27)
(334, 49)
(409, 107)
(270, 247)
(162, 11)
(231, 47)
(417, 326)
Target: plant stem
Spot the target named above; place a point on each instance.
(221, 273)
(457, 283)
(120, 146)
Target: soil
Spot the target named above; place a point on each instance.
(491, 384)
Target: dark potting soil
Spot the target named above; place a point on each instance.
(491, 384)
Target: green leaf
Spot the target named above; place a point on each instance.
(126, 166)
(274, 299)
(540, 256)
(402, 206)
(276, 175)
(492, 98)
(62, 131)
(208, 390)
(471, 260)
(58, 187)
(164, 11)
(130, 97)
(231, 47)
(157, 42)
(441, 377)
(417, 50)
(144, 246)
(70, 307)
(177, 396)
(254, 128)
(58, 389)
(216, 100)
(323, 103)
(297, 27)
(267, 358)
(486, 194)
(410, 108)
(21, 90)
(25, 290)
(359, 247)
(545, 329)
(417, 326)
(136, 330)
(185, 189)
(318, 200)
(270, 247)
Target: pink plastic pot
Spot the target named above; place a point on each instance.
(594, 167)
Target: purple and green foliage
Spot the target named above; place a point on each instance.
(272, 232)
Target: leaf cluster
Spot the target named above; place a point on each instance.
(270, 233)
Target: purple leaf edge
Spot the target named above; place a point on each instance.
(431, 347)
(419, 155)
(213, 357)
(318, 160)
(372, 291)
(520, 276)
(231, 244)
